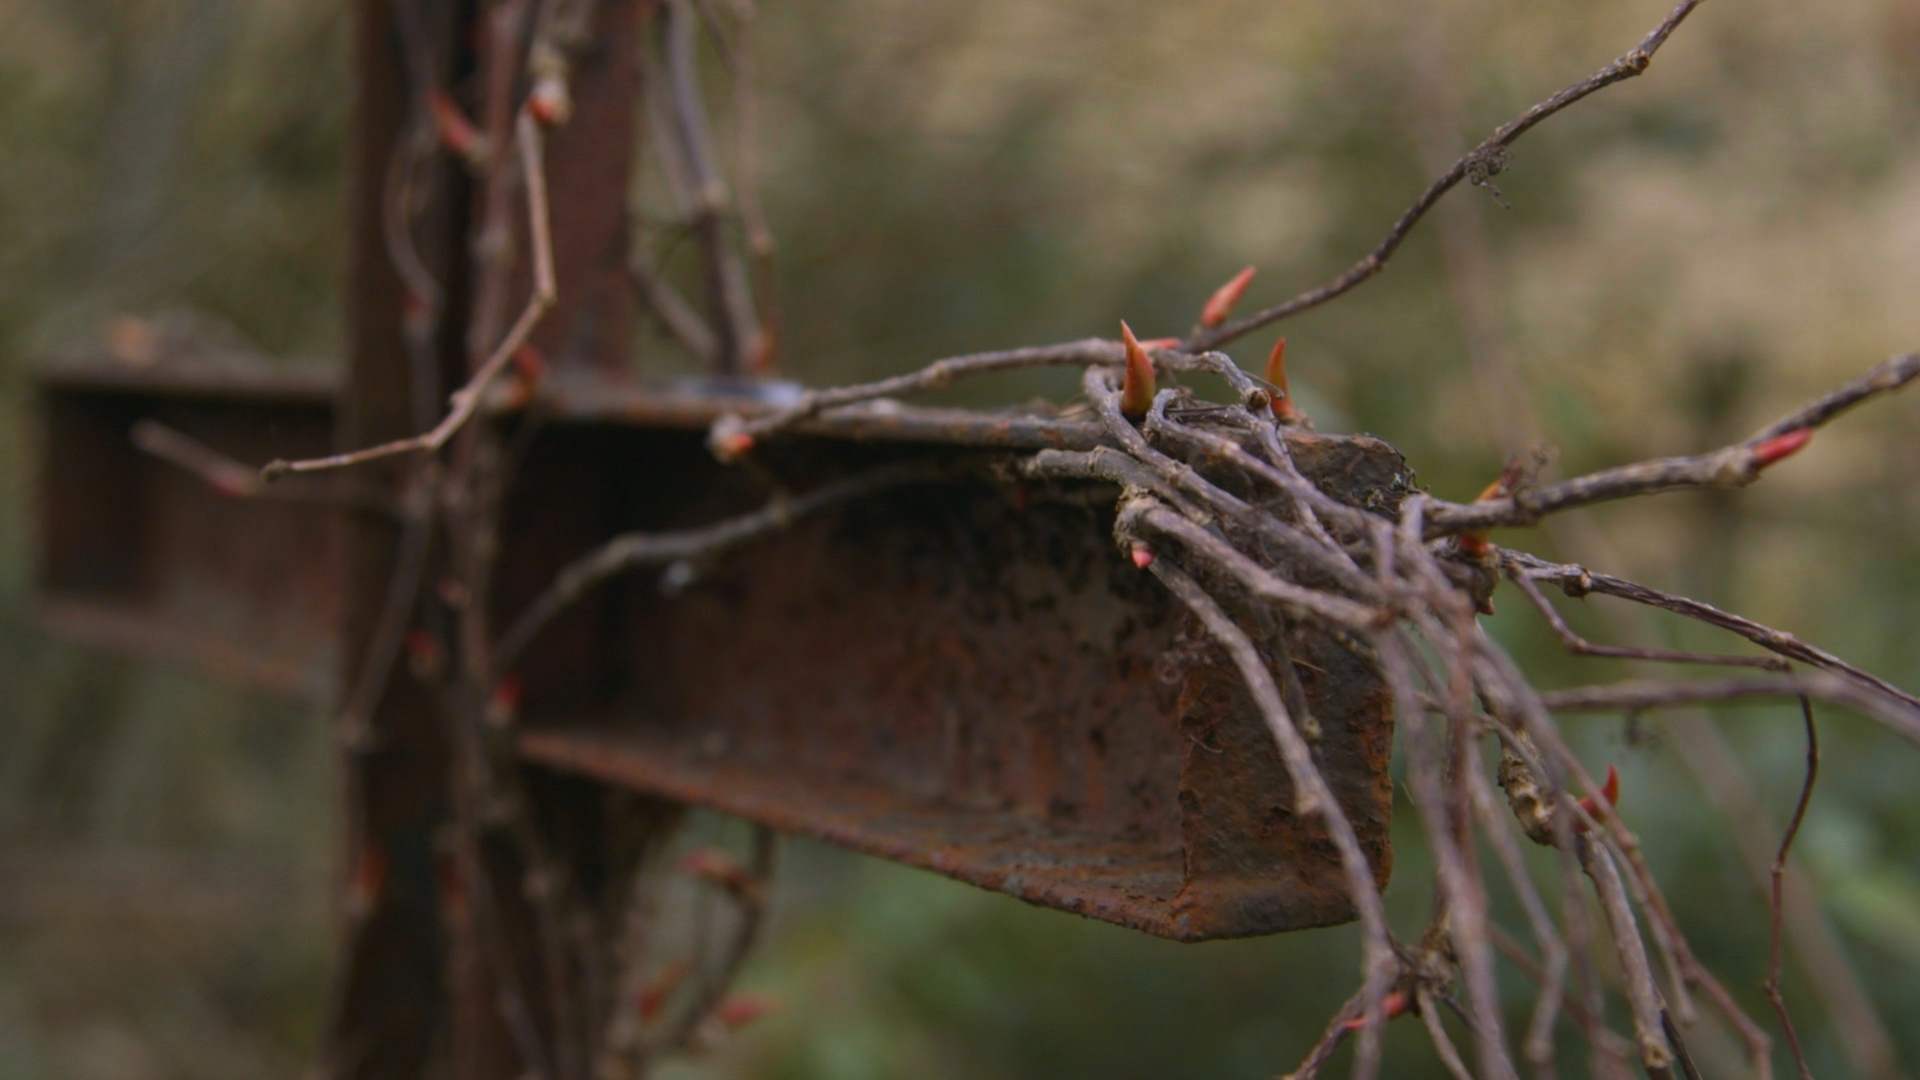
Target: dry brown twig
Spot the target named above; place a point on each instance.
(1776, 904)
(466, 401)
(1477, 166)
(1732, 466)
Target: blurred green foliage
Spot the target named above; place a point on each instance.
(1683, 257)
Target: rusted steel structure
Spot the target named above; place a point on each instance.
(963, 676)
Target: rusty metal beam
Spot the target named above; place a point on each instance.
(965, 677)
(391, 1013)
(146, 558)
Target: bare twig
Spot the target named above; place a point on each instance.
(1552, 971)
(672, 309)
(1582, 647)
(1579, 581)
(1821, 955)
(1730, 466)
(1443, 1047)
(732, 319)
(710, 983)
(218, 471)
(1260, 582)
(934, 376)
(730, 433)
(737, 50)
(466, 400)
(1655, 695)
(1778, 876)
(1656, 1053)
(1335, 1033)
(1477, 166)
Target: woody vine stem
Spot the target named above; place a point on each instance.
(1208, 500)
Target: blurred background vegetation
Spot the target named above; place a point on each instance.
(1683, 258)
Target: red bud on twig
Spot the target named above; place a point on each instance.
(238, 483)
(368, 881)
(550, 103)
(1475, 545)
(654, 995)
(763, 348)
(1142, 556)
(1394, 1004)
(1768, 451)
(503, 705)
(740, 1010)
(1136, 387)
(719, 868)
(424, 656)
(1610, 789)
(1220, 304)
(733, 445)
(530, 365)
(456, 132)
(1283, 409)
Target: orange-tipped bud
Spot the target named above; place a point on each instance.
(1475, 545)
(719, 868)
(1136, 387)
(530, 365)
(1220, 304)
(550, 103)
(1142, 556)
(368, 882)
(763, 349)
(1394, 1004)
(740, 1010)
(456, 132)
(1283, 409)
(503, 705)
(654, 995)
(733, 446)
(238, 483)
(424, 655)
(1771, 450)
(1610, 789)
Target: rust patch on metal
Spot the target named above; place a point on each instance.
(972, 679)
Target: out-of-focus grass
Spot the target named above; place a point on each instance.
(1685, 256)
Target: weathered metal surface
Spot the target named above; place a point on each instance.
(144, 557)
(966, 677)
(396, 985)
(972, 679)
